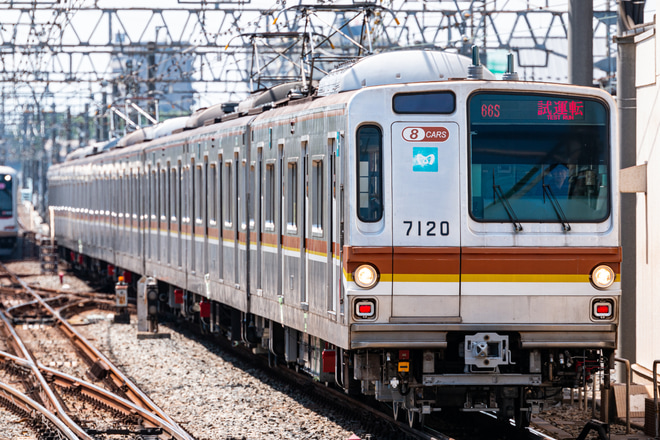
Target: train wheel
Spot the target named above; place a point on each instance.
(523, 417)
(522, 412)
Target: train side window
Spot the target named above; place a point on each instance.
(292, 198)
(198, 196)
(227, 195)
(185, 197)
(269, 198)
(317, 197)
(163, 196)
(154, 198)
(173, 192)
(213, 195)
(242, 194)
(251, 200)
(369, 173)
(167, 185)
(122, 200)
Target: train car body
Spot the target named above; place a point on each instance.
(9, 228)
(429, 239)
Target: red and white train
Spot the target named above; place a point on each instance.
(408, 231)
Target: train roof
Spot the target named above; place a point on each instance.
(398, 67)
(4, 169)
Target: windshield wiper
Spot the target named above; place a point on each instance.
(507, 207)
(557, 207)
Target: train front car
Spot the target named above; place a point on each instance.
(482, 253)
(8, 210)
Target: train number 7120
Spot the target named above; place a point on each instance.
(429, 228)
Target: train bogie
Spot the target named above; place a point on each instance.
(430, 243)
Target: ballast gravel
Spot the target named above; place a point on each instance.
(209, 392)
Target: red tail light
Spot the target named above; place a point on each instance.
(602, 309)
(365, 308)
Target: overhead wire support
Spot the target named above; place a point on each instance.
(90, 41)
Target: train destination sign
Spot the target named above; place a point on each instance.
(501, 108)
(545, 109)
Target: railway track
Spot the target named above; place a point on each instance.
(85, 408)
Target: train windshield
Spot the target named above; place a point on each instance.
(538, 158)
(6, 202)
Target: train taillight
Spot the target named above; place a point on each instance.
(602, 309)
(365, 308)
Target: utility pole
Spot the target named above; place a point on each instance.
(152, 70)
(69, 131)
(580, 42)
(630, 15)
(104, 120)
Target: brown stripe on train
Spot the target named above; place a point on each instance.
(538, 260)
(487, 260)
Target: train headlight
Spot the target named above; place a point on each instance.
(365, 276)
(7, 177)
(602, 276)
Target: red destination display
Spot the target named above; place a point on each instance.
(543, 109)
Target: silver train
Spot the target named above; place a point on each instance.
(9, 226)
(414, 230)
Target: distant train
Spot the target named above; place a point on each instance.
(414, 230)
(8, 210)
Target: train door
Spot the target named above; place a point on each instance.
(304, 263)
(235, 218)
(332, 269)
(199, 215)
(279, 227)
(191, 213)
(169, 213)
(205, 216)
(177, 213)
(157, 209)
(186, 227)
(426, 220)
(258, 221)
(219, 218)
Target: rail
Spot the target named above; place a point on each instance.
(628, 376)
(135, 395)
(29, 405)
(46, 393)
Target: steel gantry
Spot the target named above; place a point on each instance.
(85, 55)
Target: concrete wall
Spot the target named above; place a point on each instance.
(647, 304)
